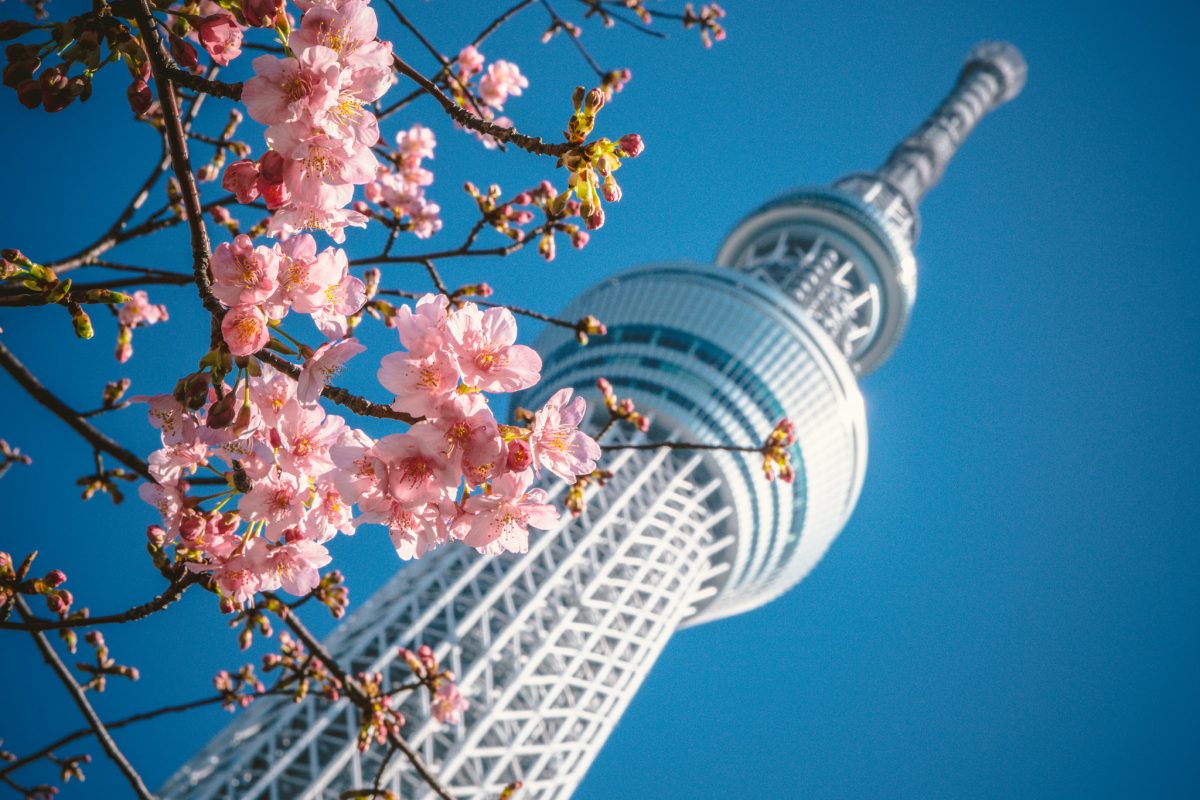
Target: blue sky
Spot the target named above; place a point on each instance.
(1013, 609)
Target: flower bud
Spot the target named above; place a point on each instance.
(183, 53)
(241, 178)
(55, 578)
(520, 458)
(631, 145)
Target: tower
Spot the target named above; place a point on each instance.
(809, 291)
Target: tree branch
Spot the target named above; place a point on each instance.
(85, 708)
(173, 592)
(98, 439)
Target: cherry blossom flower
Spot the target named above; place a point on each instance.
(447, 703)
(556, 442)
(500, 521)
(329, 514)
(221, 36)
(270, 392)
(503, 78)
(168, 499)
(420, 384)
(306, 435)
(360, 472)
(138, 311)
(243, 273)
(482, 343)
(245, 330)
(240, 576)
(320, 368)
(471, 438)
(418, 470)
(422, 329)
(285, 89)
(296, 562)
(277, 500)
(413, 529)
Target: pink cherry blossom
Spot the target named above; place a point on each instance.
(270, 392)
(329, 514)
(168, 499)
(447, 703)
(500, 521)
(240, 576)
(243, 273)
(343, 28)
(360, 472)
(169, 416)
(482, 343)
(325, 363)
(421, 384)
(306, 435)
(284, 89)
(414, 529)
(503, 78)
(138, 311)
(241, 178)
(470, 61)
(277, 500)
(245, 330)
(422, 329)
(167, 464)
(295, 563)
(418, 470)
(556, 441)
(471, 438)
(344, 298)
(416, 143)
(221, 36)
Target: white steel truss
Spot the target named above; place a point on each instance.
(549, 646)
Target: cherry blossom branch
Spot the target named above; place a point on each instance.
(176, 140)
(491, 28)
(530, 144)
(98, 729)
(525, 312)
(462, 251)
(230, 91)
(359, 405)
(179, 584)
(354, 692)
(98, 439)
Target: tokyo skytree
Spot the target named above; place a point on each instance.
(809, 292)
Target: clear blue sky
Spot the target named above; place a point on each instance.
(1013, 609)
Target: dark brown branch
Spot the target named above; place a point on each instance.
(354, 692)
(359, 405)
(177, 146)
(101, 732)
(230, 91)
(172, 593)
(98, 439)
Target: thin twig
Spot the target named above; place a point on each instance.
(85, 708)
(68, 415)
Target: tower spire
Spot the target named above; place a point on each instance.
(993, 74)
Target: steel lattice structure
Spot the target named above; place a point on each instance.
(550, 646)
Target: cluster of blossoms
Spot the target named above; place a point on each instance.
(400, 189)
(136, 312)
(455, 474)
(707, 19)
(500, 80)
(446, 701)
(260, 285)
(318, 129)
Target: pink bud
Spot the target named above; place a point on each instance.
(241, 178)
(519, 456)
(156, 535)
(271, 165)
(55, 577)
(221, 37)
(631, 145)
